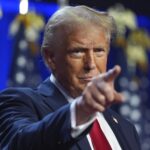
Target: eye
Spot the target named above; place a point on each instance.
(99, 51)
(77, 53)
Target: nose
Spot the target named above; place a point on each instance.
(89, 61)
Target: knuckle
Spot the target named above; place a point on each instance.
(101, 108)
(111, 96)
(102, 98)
(94, 106)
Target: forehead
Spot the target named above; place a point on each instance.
(88, 34)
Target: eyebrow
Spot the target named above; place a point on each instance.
(80, 48)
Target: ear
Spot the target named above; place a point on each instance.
(49, 58)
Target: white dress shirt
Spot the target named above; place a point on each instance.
(77, 130)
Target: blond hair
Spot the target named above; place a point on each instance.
(70, 16)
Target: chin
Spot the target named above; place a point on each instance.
(82, 87)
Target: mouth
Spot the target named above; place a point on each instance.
(86, 79)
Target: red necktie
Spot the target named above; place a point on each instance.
(98, 138)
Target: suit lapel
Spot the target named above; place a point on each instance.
(53, 97)
(121, 134)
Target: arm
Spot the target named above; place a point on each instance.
(21, 129)
(98, 95)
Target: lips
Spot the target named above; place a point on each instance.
(86, 79)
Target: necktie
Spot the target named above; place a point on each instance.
(98, 138)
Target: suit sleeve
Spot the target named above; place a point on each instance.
(21, 129)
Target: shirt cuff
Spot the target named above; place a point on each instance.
(77, 130)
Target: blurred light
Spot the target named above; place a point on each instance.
(63, 3)
(21, 61)
(23, 45)
(20, 77)
(13, 7)
(23, 7)
(124, 82)
(135, 100)
(125, 110)
(14, 27)
(133, 86)
(1, 12)
(135, 115)
(31, 34)
(126, 95)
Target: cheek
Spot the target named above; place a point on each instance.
(75, 70)
(102, 64)
(70, 70)
(74, 65)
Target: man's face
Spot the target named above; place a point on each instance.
(82, 56)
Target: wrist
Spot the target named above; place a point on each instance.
(82, 115)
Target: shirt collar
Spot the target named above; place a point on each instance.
(61, 89)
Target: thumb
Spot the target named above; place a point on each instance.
(111, 74)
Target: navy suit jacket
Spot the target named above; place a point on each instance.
(39, 119)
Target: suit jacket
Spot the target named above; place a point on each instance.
(39, 119)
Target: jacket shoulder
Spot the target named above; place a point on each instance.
(17, 92)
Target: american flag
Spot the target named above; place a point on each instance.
(24, 70)
(135, 85)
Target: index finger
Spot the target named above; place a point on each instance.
(112, 74)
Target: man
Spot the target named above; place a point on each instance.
(61, 112)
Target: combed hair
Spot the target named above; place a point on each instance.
(70, 16)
